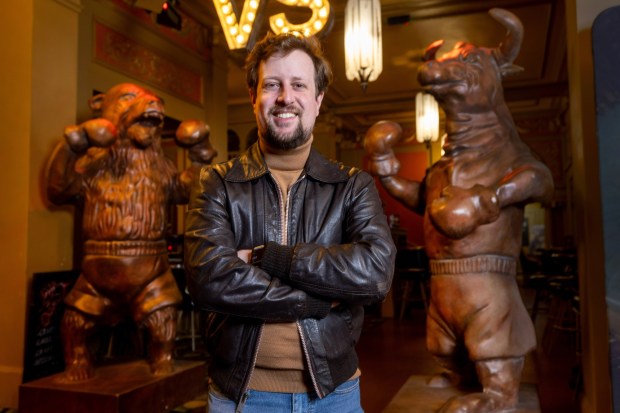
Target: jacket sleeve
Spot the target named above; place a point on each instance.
(359, 269)
(218, 280)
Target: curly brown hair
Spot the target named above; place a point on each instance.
(284, 44)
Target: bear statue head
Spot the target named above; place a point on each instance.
(137, 113)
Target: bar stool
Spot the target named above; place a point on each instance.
(563, 314)
(412, 269)
(187, 316)
(562, 287)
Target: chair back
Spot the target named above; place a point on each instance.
(412, 257)
(559, 262)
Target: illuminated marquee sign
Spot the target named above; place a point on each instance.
(238, 32)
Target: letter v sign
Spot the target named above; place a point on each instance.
(240, 33)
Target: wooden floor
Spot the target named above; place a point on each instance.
(391, 350)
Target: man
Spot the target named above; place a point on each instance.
(286, 247)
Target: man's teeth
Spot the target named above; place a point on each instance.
(286, 115)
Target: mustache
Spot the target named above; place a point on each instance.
(281, 109)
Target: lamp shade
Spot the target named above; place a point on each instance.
(362, 40)
(426, 118)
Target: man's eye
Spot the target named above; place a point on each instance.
(270, 86)
(299, 85)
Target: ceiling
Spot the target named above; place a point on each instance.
(540, 89)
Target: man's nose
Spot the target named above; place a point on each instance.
(286, 95)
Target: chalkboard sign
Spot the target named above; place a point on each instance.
(44, 355)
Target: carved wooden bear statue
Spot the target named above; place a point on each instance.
(472, 200)
(115, 168)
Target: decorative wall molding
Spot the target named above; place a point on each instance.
(545, 135)
(192, 35)
(540, 125)
(74, 5)
(125, 55)
(550, 151)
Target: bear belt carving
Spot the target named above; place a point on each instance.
(115, 168)
(472, 200)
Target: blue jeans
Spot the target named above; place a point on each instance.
(344, 399)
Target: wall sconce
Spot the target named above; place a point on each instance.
(363, 50)
(239, 33)
(426, 121)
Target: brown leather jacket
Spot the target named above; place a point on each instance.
(339, 249)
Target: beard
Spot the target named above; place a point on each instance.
(286, 141)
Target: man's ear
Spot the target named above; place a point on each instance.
(252, 96)
(96, 102)
(319, 100)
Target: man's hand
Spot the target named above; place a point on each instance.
(245, 255)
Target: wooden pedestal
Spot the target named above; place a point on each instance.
(120, 388)
(416, 397)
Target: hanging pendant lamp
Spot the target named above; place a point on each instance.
(362, 44)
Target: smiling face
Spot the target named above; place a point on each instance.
(285, 102)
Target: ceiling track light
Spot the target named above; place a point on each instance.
(169, 16)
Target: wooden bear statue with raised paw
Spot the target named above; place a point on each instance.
(115, 168)
(472, 200)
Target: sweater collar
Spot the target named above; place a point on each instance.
(251, 165)
(290, 160)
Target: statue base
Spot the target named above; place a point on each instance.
(118, 388)
(415, 396)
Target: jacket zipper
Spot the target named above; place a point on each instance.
(253, 365)
(310, 368)
(284, 214)
(284, 231)
(283, 240)
(284, 208)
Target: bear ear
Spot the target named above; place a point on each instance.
(96, 102)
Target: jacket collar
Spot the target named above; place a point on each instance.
(251, 165)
